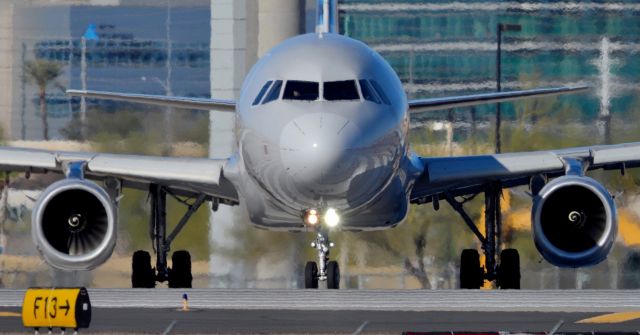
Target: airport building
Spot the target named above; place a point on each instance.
(437, 48)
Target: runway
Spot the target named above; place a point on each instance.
(361, 300)
(345, 311)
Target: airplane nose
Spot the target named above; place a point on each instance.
(318, 148)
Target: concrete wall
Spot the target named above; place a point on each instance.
(6, 66)
(277, 21)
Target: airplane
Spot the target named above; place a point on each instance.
(322, 124)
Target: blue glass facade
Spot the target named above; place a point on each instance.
(439, 47)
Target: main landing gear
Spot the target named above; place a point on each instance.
(179, 275)
(324, 271)
(506, 274)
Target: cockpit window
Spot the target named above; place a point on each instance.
(368, 93)
(274, 92)
(380, 92)
(301, 90)
(263, 90)
(341, 90)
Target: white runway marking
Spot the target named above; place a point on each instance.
(361, 300)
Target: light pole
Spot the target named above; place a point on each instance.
(168, 136)
(501, 28)
(89, 35)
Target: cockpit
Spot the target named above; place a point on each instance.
(309, 91)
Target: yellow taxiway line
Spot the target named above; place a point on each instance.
(612, 318)
(9, 314)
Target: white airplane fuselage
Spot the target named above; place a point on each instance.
(322, 151)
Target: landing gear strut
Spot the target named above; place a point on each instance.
(179, 276)
(325, 270)
(472, 275)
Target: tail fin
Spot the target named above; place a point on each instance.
(327, 16)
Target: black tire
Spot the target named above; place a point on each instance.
(471, 274)
(333, 275)
(180, 272)
(509, 270)
(142, 274)
(311, 275)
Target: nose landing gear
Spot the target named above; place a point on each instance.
(325, 271)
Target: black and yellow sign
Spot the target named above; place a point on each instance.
(56, 307)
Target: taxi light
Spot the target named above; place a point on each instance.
(311, 217)
(331, 218)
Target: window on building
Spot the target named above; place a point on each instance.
(274, 92)
(368, 93)
(263, 90)
(341, 90)
(301, 90)
(380, 92)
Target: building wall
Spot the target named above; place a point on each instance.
(6, 66)
(133, 47)
(441, 48)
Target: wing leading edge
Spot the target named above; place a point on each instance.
(433, 104)
(178, 102)
(466, 175)
(188, 176)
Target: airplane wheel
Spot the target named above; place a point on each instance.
(509, 270)
(180, 273)
(471, 274)
(333, 275)
(142, 274)
(311, 275)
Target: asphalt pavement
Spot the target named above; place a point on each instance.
(345, 312)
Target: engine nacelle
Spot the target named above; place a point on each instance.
(574, 222)
(73, 225)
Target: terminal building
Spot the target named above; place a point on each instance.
(437, 48)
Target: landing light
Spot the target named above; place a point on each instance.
(311, 217)
(331, 218)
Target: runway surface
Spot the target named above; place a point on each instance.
(361, 300)
(345, 311)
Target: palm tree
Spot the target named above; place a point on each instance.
(42, 72)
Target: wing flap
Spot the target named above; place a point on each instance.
(178, 102)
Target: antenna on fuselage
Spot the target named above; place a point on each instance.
(327, 16)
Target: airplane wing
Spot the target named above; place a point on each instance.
(178, 102)
(184, 176)
(426, 105)
(467, 175)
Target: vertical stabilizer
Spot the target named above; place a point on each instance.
(327, 16)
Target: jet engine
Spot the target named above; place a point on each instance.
(73, 225)
(574, 222)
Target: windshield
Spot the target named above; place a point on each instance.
(341, 90)
(263, 90)
(274, 93)
(301, 90)
(368, 93)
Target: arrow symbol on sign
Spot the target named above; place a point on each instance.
(65, 307)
